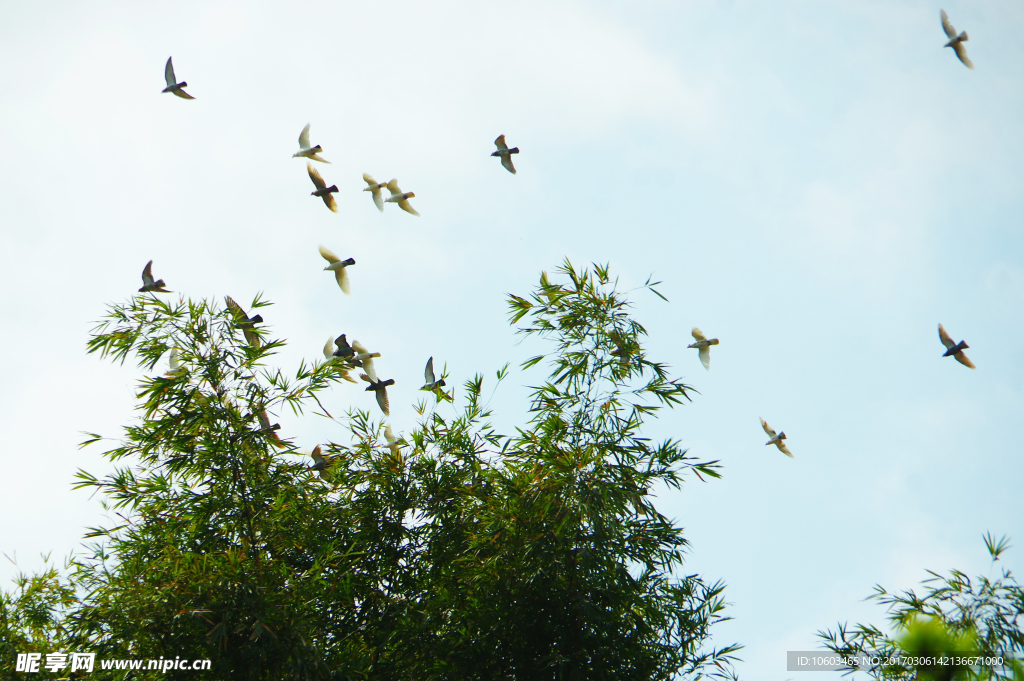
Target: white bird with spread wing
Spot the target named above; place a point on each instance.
(306, 151)
(703, 345)
(776, 439)
(431, 383)
(374, 189)
(401, 198)
(956, 41)
(339, 267)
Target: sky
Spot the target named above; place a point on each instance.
(818, 184)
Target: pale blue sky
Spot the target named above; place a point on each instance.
(817, 184)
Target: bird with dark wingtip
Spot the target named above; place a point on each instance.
(172, 83)
(322, 190)
(954, 349)
(505, 153)
(150, 286)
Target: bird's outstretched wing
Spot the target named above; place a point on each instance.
(329, 255)
(407, 207)
(961, 53)
(169, 74)
(147, 274)
(341, 276)
(698, 334)
(784, 449)
(767, 428)
(500, 143)
(314, 175)
(962, 358)
(944, 337)
(946, 25)
(705, 357)
(393, 187)
(428, 372)
(304, 137)
(382, 400)
(507, 162)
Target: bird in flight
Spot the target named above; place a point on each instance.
(389, 435)
(305, 151)
(344, 350)
(270, 430)
(174, 367)
(322, 190)
(401, 199)
(956, 41)
(339, 267)
(380, 388)
(776, 439)
(954, 349)
(319, 462)
(704, 347)
(172, 83)
(148, 285)
(361, 357)
(428, 376)
(505, 153)
(374, 189)
(322, 464)
(331, 355)
(245, 322)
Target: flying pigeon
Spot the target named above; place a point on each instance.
(776, 439)
(380, 388)
(147, 281)
(319, 462)
(245, 322)
(401, 199)
(330, 352)
(704, 345)
(174, 367)
(344, 350)
(305, 151)
(322, 464)
(361, 357)
(389, 435)
(172, 83)
(374, 189)
(322, 190)
(505, 153)
(339, 267)
(956, 41)
(270, 430)
(956, 350)
(428, 376)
